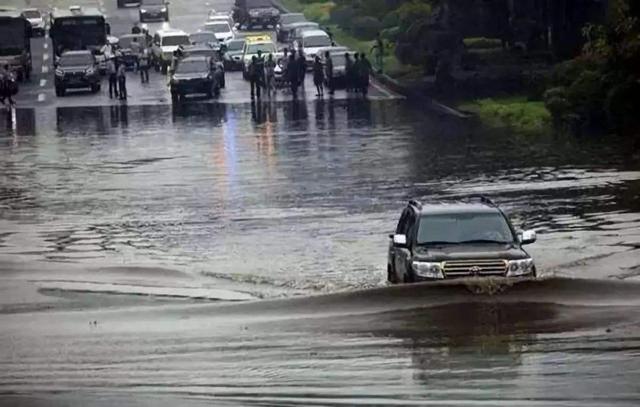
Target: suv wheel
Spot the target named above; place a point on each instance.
(59, 91)
(95, 88)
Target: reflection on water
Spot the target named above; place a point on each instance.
(297, 195)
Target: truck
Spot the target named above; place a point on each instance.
(15, 43)
(77, 29)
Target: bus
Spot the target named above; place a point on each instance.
(15, 43)
(78, 29)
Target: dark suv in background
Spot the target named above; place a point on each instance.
(468, 238)
(76, 69)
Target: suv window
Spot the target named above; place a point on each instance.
(403, 222)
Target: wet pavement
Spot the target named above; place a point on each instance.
(234, 253)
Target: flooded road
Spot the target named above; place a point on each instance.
(137, 217)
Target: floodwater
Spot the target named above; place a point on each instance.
(140, 218)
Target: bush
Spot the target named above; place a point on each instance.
(587, 94)
(622, 106)
(482, 43)
(557, 103)
(566, 72)
(365, 28)
(342, 15)
(391, 34)
(319, 12)
(412, 12)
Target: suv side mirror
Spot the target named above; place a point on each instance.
(527, 237)
(400, 240)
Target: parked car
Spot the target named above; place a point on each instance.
(154, 10)
(194, 75)
(35, 18)
(233, 54)
(221, 29)
(310, 42)
(255, 13)
(213, 55)
(76, 69)
(295, 34)
(207, 38)
(284, 27)
(219, 16)
(468, 238)
(165, 42)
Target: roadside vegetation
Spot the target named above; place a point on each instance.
(516, 112)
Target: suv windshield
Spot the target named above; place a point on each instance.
(200, 38)
(290, 19)
(152, 2)
(31, 13)
(235, 45)
(195, 66)
(175, 40)
(455, 228)
(317, 41)
(217, 27)
(267, 48)
(76, 60)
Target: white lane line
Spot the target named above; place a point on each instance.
(45, 69)
(41, 97)
(45, 56)
(381, 89)
(46, 45)
(43, 82)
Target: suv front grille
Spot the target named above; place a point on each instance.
(468, 268)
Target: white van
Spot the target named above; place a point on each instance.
(311, 42)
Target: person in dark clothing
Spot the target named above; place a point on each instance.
(253, 77)
(328, 71)
(143, 65)
(378, 47)
(365, 73)
(292, 74)
(348, 65)
(136, 29)
(302, 69)
(318, 76)
(260, 71)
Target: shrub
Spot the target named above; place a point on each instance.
(392, 19)
(587, 94)
(366, 28)
(319, 12)
(342, 15)
(391, 34)
(412, 12)
(557, 103)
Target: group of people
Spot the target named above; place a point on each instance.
(8, 85)
(261, 73)
(117, 68)
(357, 73)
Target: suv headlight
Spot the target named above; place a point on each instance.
(143, 10)
(89, 71)
(163, 10)
(428, 270)
(519, 267)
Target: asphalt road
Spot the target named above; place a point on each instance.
(186, 15)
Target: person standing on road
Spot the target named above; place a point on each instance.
(135, 50)
(112, 72)
(269, 75)
(122, 80)
(328, 71)
(365, 72)
(348, 65)
(292, 74)
(143, 65)
(318, 76)
(302, 68)
(136, 29)
(8, 85)
(253, 78)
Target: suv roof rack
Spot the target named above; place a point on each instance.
(483, 199)
(416, 203)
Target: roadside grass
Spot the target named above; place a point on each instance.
(513, 111)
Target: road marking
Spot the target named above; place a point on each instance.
(46, 45)
(45, 56)
(41, 97)
(382, 90)
(43, 82)
(45, 69)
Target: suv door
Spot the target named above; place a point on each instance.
(403, 255)
(395, 274)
